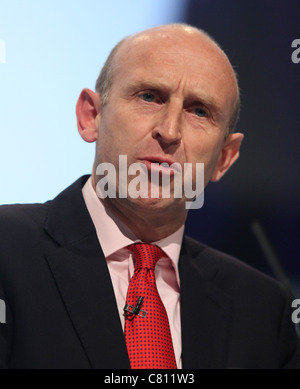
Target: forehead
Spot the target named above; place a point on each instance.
(185, 59)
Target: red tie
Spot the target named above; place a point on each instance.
(147, 331)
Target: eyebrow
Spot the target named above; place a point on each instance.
(146, 84)
(195, 97)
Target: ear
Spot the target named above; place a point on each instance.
(88, 115)
(229, 154)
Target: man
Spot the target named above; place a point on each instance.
(166, 95)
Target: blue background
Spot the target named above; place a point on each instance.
(54, 49)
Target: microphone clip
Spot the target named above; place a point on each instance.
(130, 311)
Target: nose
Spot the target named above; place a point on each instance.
(168, 129)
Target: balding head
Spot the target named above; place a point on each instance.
(180, 33)
(166, 95)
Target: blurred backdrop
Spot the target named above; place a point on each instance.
(51, 50)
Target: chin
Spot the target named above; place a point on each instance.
(151, 205)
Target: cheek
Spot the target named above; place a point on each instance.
(207, 153)
(202, 151)
(122, 125)
(112, 134)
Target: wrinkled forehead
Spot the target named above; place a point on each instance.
(166, 46)
(163, 52)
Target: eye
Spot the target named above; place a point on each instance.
(200, 112)
(147, 96)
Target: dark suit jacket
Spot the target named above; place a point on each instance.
(61, 310)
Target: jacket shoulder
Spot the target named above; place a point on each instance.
(21, 225)
(231, 271)
(21, 215)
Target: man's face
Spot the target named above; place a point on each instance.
(171, 101)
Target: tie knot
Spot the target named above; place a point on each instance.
(146, 255)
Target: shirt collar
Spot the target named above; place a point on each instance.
(114, 235)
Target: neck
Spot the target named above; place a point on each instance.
(149, 221)
(148, 225)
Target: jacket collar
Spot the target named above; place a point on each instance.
(67, 219)
(206, 310)
(80, 271)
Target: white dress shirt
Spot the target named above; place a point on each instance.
(113, 237)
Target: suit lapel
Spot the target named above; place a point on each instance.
(205, 310)
(81, 275)
(80, 271)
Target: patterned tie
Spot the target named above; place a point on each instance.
(147, 331)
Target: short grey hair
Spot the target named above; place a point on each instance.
(105, 79)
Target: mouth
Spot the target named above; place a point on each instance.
(161, 165)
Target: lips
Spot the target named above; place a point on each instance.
(161, 165)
